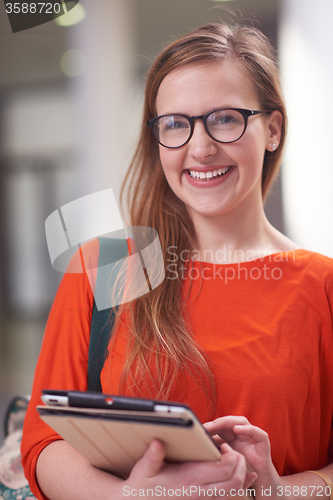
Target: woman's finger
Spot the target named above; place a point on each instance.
(217, 440)
(251, 431)
(223, 426)
(152, 461)
(249, 479)
(237, 474)
(206, 473)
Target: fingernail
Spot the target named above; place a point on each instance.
(154, 446)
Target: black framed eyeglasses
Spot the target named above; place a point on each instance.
(223, 125)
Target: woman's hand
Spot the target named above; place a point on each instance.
(190, 478)
(245, 438)
(253, 443)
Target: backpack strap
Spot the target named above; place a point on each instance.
(102, 321)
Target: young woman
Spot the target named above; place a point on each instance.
(241, 327)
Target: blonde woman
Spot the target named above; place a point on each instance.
(241, 327)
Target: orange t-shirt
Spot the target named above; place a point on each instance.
(266, 328)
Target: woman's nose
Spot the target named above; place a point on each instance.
(201, 145)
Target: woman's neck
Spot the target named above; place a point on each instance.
(231, 238)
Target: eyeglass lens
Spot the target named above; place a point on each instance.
(225, 125)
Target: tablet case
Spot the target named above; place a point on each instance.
(115, 440)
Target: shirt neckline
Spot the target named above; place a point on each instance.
(272, 257)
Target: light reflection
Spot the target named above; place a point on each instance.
(73, 63)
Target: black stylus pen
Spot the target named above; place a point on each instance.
(103, 401)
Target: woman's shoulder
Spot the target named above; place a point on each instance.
(302, 256)
(315, 259)
(314, 272)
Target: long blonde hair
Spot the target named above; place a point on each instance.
(161, 337)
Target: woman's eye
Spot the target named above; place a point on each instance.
(226, 120)
(178, 125)
(175, 124)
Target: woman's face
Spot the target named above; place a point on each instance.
(195, 90)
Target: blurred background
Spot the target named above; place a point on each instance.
(70, 103)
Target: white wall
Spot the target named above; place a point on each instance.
(103, 95)
(306, 41)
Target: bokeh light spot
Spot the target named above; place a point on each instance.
(73, 63)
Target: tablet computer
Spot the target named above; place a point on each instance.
(113, 432)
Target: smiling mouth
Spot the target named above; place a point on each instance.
(206, 176)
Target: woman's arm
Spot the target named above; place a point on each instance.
(63, 473)
(62, 362)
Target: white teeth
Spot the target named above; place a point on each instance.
(210, 174)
